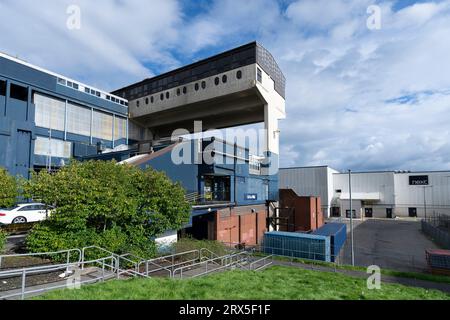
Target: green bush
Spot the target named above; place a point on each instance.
(117, 207)
(188, 244)
(8, 189)
(2, 240)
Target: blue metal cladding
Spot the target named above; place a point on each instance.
(338, 236)
(297, 245)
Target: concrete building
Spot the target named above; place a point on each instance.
(383, 194)
(47, 119)
(310, 181)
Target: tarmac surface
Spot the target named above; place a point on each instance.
(397, 244)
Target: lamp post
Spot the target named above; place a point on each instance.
(425, 200)
(351, 216)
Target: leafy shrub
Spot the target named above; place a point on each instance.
(2, 240)
(117, 207)
(8, 189)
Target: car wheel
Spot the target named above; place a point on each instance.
(18, 220)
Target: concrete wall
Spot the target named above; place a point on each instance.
(311, 181)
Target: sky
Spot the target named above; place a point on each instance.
(357, 98)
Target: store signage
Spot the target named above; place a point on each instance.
(418, 180)
(251, 196)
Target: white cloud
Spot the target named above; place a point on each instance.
(356, 98)
(115, 38)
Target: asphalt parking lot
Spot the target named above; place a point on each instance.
(392, 244)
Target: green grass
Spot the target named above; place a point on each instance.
(275, 283)
(387, 272)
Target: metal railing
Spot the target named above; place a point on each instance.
(263, 263)
(24, 272)
(173, 261)
(67, 252)
(239, 259)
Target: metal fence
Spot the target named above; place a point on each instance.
(364, 257)
(438, 234)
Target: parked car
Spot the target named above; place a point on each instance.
(23, 213)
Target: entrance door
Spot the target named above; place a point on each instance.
(389, 213)
(412, 212)
(368, 212)
(335, 212)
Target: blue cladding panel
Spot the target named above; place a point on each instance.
(338, 235)
(297, 245)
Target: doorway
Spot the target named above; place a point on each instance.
(389, 213)
(412, 212)
(335, 212)
(368, 212)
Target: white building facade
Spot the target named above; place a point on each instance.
(384, 194)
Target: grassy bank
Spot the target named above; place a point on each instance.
(273, 283)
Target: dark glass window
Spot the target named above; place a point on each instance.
(184, 90)
(19, 92)
(161, 96)
(138, 103)
(224, 78)
(178, 91)
(152, 99)
(259, 75)
(239, 74)
(146, 100)
(2, 88)
(216, 81)
(167, 95)
(196, 87)
(203, 85)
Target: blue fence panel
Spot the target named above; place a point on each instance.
(338, 236)
(297, 245)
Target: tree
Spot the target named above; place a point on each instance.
(117, 207)
(8, 189)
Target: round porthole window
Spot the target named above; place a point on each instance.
(203, 85)
(184, 90)
(167, 95)
(216, 81)
(146, 100)
(224, 78)
(138, 103)
(161, 96)
(239, 74)
(152, 99)
(196, 87)
(178, 92)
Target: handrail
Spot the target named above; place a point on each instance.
(221, 265)
(68, 251)
(260, 260)
(166, 258)
(47, 268)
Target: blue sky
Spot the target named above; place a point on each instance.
(356, 98)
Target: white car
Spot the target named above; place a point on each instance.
(23, 213)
